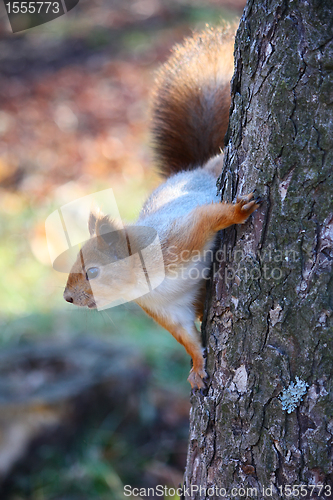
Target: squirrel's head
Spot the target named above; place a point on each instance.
(102, 273)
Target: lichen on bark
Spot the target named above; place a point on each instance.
(269, 311)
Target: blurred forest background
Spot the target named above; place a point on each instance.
(88, 401)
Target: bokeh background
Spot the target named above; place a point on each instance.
(89, 401)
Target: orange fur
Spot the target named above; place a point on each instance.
(192, 344)
(191, 101)
(193, 233)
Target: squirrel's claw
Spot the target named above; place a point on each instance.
(197, 379)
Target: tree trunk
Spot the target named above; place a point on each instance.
(266, 425)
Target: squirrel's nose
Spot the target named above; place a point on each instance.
(68, 297)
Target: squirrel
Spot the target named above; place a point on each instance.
(190, 113)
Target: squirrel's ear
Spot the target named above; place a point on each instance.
(108, 230)
(92, 223)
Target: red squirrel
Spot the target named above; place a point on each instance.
(190, 113)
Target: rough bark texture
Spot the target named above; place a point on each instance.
(270, 316)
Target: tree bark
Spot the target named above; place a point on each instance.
(269, 322)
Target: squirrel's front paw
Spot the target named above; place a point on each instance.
(245, 205)
(196, 379)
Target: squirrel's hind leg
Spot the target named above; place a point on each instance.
(193, 347)
(190, 338)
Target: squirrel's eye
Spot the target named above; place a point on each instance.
(92, 273)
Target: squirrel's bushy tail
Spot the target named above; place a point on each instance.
(191, 101)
